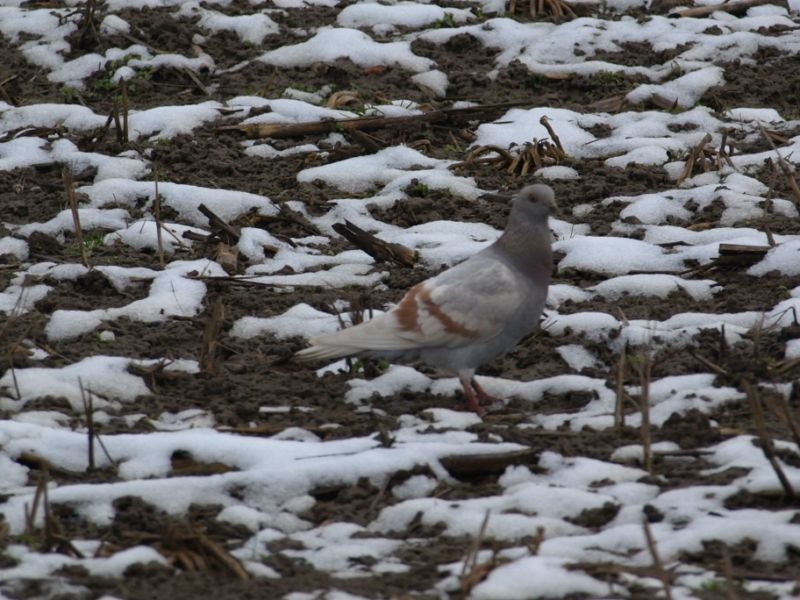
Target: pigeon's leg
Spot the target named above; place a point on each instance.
(465, 377)
(484, 397)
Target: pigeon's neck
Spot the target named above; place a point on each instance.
(527, 246)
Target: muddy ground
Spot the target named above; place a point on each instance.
(255, 373)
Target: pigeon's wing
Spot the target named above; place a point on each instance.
(471, 302)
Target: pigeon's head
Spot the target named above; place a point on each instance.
(537, 201)
(527, 232)
(533, 203)
(537, 196)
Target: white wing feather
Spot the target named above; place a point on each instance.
(471, 302)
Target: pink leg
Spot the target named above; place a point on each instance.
(472, 400)
(483, 397)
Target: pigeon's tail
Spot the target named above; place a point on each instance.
(323, 352)
(380, 335)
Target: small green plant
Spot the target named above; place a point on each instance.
(452, 149)
(418, 189)
(355, 366)
(536, 80)
(91, 242)
(713, 585)
(145, 73)
(104, 84)
(479, 14)
(447, 21)
(69, 94)
(608, 77)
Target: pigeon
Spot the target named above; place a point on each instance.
(469, 314)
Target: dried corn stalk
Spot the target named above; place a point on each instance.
(541, 8)
(519, 160)
(704, 158)
(344, 98)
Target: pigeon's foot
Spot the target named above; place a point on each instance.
(483, 396)
(471, 394)
(493, 403)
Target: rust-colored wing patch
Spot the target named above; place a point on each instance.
(407, 311)
(450, 326)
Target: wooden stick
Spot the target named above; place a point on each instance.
(787, 170)
(711, 365)
(228, 258)
(466, 465)
(88, 411)
(196, 80)
(41, 489)
(766, 442)
(69, 184)
(473, 157)
(219, 223)
(721, 154)
(619, 413)
(102, 444)
(377, 248)
(727, 570)
(117, 125)
(692, 158)
(286, 215)
(157, 216)
(740, 255)
(787, 414)
(198, 237)
(113, 117)
(243, 280)
(367, 141)
(663, 575)
(729, 7)
(213, 328)
(222, 556)
(3, 91)
(471, 571)
(546, 124)
(124, 86)
(770, 238)
(34, 322)
(645, 370)
(287, 130)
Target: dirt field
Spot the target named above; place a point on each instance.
(258, 372)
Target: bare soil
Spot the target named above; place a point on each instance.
(258, 372)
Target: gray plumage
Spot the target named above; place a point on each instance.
(469, 314)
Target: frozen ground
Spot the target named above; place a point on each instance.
(228, 467)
